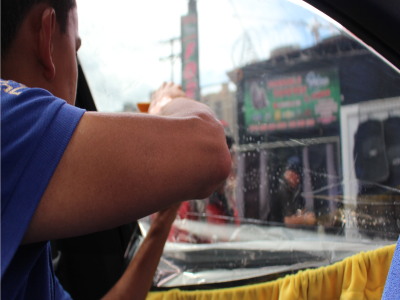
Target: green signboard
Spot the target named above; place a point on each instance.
(293, 101)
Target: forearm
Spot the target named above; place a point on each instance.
(307, 218)
(136, 281)
(114, 161)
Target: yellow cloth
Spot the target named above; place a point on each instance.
(361, 276)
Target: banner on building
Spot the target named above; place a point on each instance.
(190, 56)
(293, 101)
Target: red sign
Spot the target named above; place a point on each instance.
(190, 56)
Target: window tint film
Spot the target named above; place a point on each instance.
(311, 117)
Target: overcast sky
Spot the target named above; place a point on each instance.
(121, 41)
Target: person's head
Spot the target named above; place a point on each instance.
(39, 40)
(293, 171)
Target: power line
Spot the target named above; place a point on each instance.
(172, 57)
(248, 48)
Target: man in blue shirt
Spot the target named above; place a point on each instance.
(66, 172)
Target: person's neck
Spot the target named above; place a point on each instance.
(21, 69)
(21, 61)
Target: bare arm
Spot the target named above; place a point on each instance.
(305, 218)
(136, 280)
(120, 167)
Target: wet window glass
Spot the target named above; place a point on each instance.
(311, 117)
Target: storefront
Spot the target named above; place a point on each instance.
(296, 153)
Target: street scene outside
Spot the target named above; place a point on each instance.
(310, 116)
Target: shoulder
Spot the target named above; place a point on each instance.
(11, 87)
(19, 100)
(28, 111)
(26, 116)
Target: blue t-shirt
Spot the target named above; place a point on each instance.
(392, 286)
(35, 130)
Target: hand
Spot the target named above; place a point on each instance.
(166, 216)
(137, 278)
(164, 95)
(301, 218)
(309, 218)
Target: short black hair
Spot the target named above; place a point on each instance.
(14, 12)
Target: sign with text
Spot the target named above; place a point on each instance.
(293, 101)
(190, 56)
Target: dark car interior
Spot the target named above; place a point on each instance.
(88, 266)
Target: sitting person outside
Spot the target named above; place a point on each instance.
(288, 205)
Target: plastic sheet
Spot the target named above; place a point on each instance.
(253, 248)
(360, 276)
(290, 205)
(313, 132)
(311, 116)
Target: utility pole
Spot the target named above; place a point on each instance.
(315, 30)
(172, 57)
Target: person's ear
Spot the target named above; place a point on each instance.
(45, 44)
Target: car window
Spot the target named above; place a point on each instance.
(311, 116)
